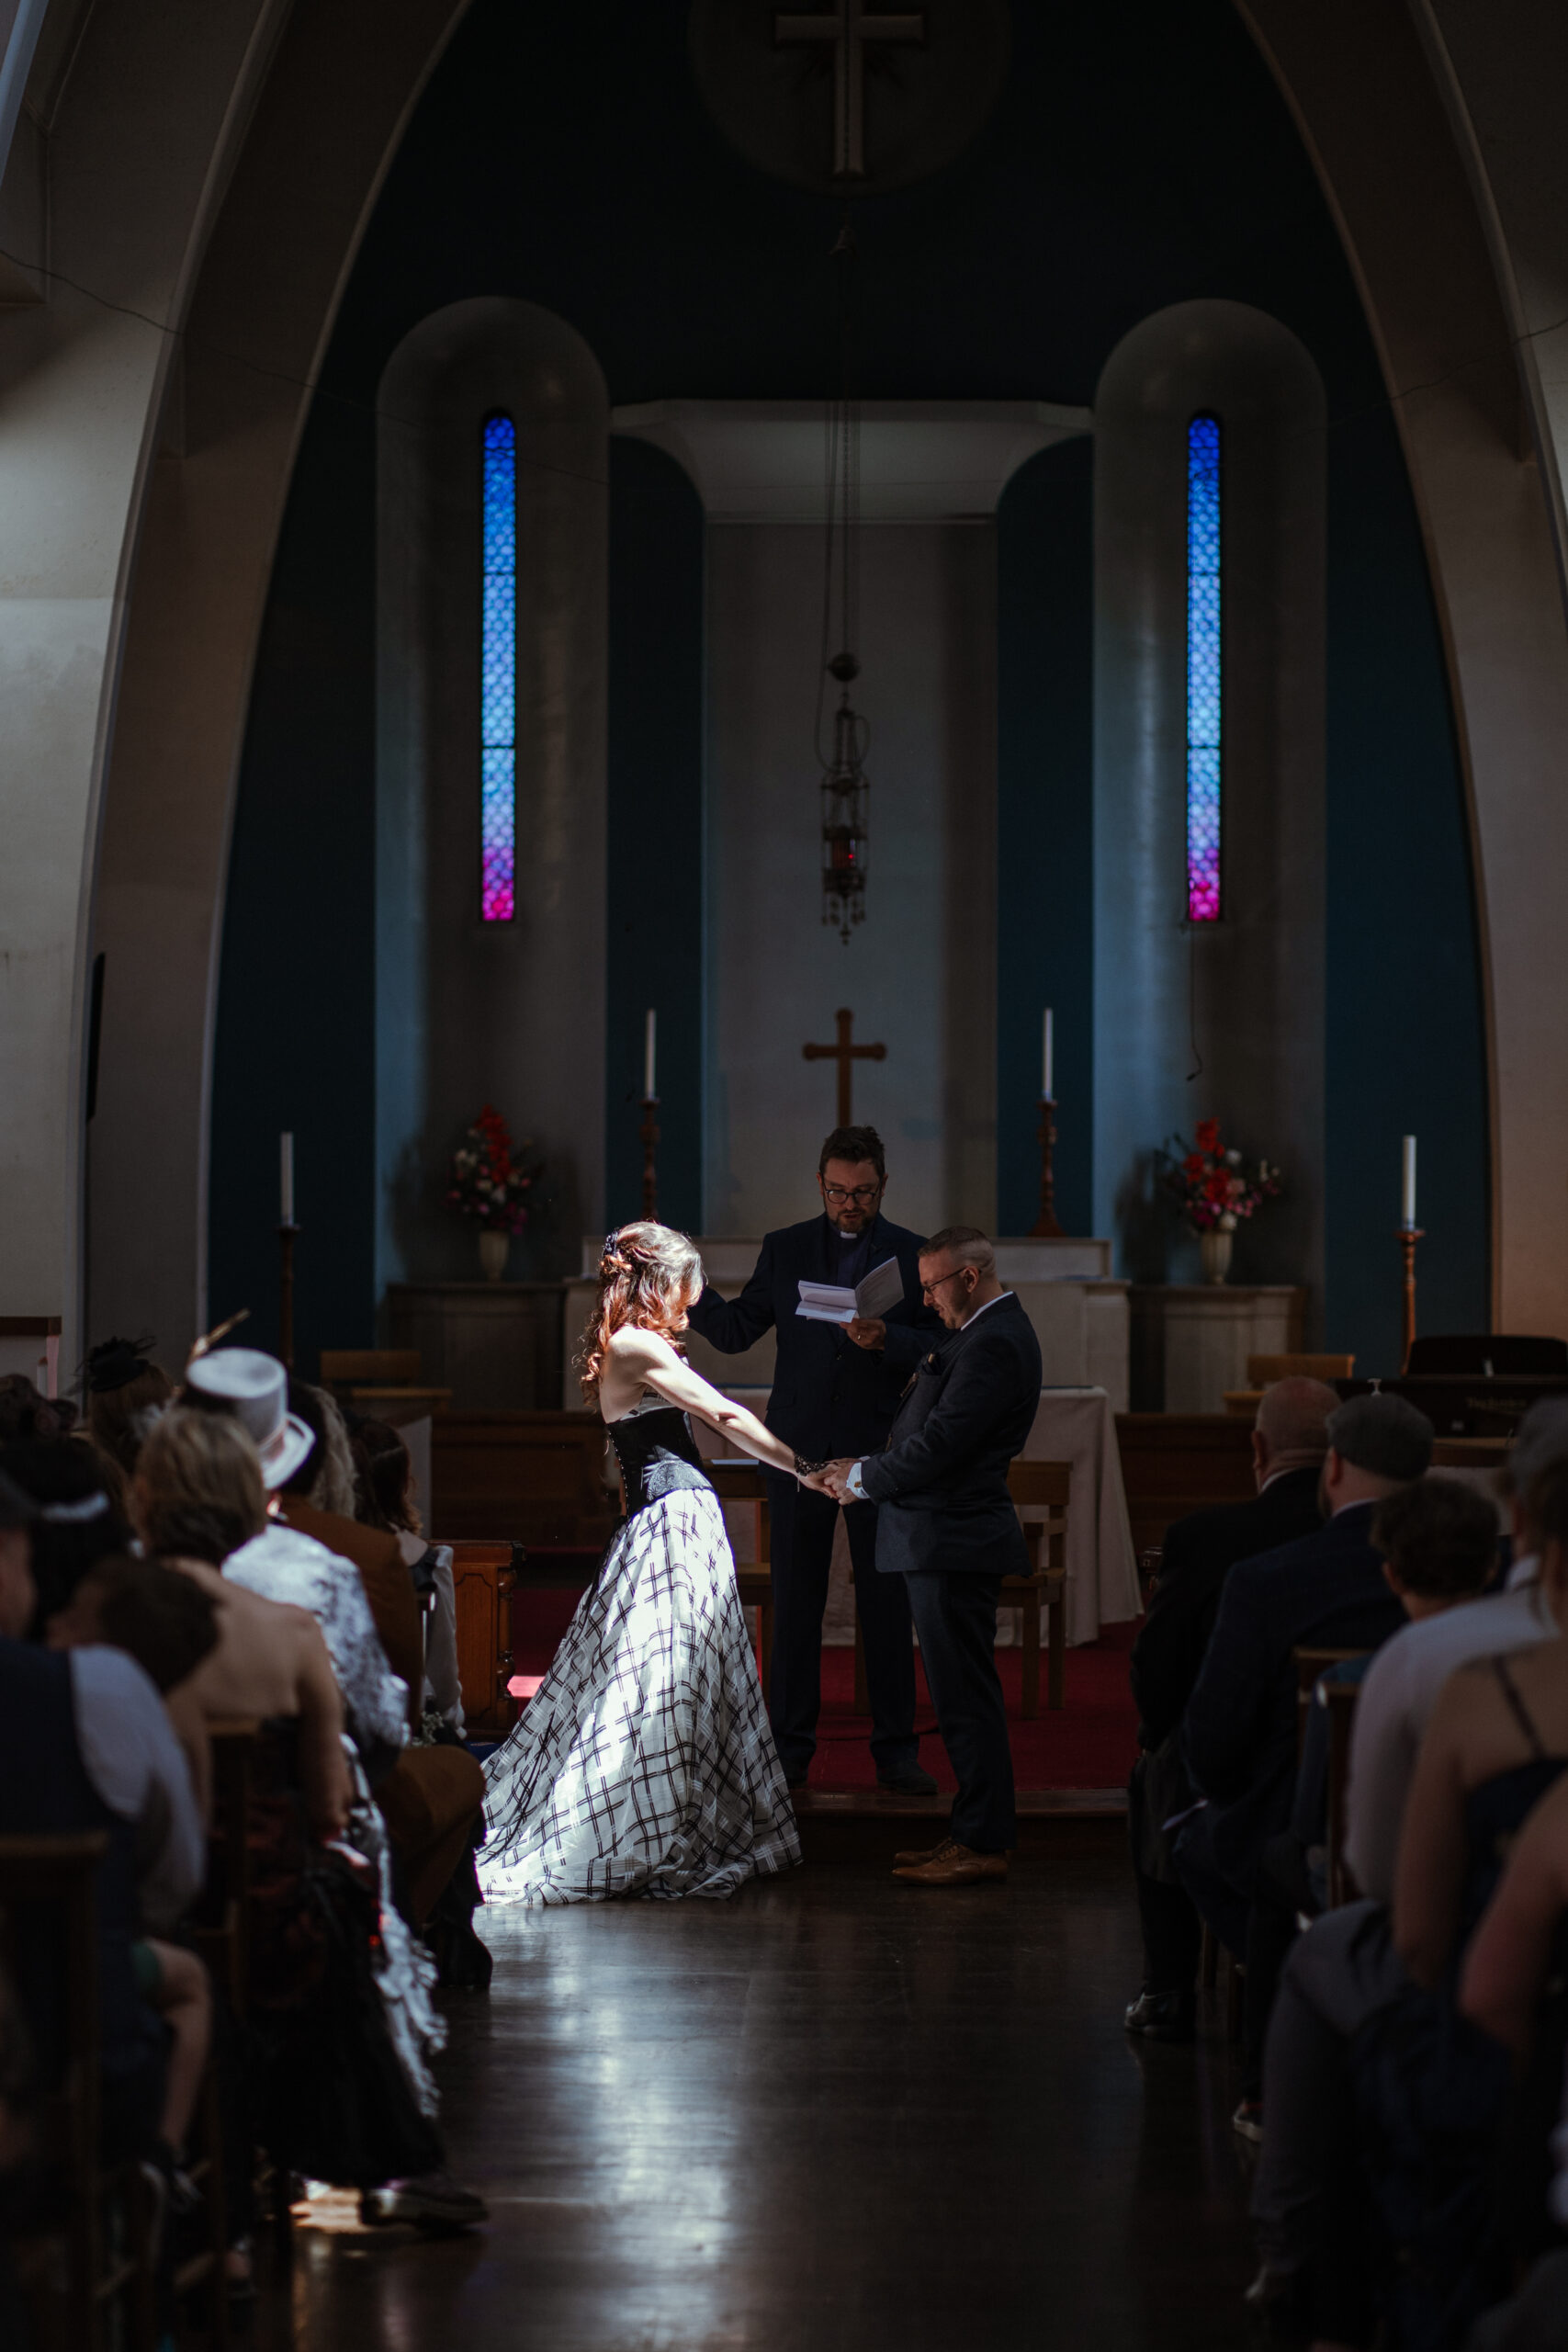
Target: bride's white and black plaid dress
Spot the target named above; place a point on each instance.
(644, 1764)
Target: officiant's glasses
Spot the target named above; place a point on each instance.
(865, 1196)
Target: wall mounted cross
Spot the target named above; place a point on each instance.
(846, 1055)
(848, 26)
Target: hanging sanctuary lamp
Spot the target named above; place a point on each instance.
(845, 788)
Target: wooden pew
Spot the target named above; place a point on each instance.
(516, 1477)
(1176, 1463)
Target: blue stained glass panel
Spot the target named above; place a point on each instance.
(1205, 681)
(497, 674)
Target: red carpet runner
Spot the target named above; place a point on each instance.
(1089, 1743)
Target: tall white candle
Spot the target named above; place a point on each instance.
(1407, 1212)
(286, 1176)
(1046, 1086)
(649, 1031)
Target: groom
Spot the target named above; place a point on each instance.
(835, 1392)
(947, 1530)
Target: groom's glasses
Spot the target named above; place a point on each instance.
(863, 1195)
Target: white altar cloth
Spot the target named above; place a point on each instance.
(1074, 1425)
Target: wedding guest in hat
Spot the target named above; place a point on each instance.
(124, 1388)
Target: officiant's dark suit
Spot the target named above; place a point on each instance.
(948, 1531)
(830, 1399)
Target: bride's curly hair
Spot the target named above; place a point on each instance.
(645, 1277)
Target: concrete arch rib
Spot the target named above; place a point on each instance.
(307, 157)
(1381, 132)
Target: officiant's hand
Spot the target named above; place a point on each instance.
(868, 1332)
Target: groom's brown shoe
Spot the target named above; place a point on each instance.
(954, 1865)
(923, 1853)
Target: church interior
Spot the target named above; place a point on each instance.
(616, 622)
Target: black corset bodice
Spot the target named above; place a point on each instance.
(658, 1455)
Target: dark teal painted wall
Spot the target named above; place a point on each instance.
(1046, 828)
(655, 931)
(297, 987)
(1405, 1038)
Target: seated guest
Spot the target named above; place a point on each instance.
(1438, 1548)
(1289, 1442)
(1438, 1541)
(432, 1796)
(388, 1499)
(1377, 1982)
(168, 1627)
(327, 1469)
(77, 1524)
(124, 1392)
(1324, 1592)
(1513, 1988)
(281, 1562)
(86, 1744)
(200, 1499)
(26, 1413)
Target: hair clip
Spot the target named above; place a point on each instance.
(75, 1514)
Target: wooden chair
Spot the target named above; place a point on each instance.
(1309, 1664)
(1036, 1486)
(484, 1577)
(742, 1482)
(1340, 1699)
(100, 2281)
(1043, 1487)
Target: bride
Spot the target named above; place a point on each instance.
(644, 1764)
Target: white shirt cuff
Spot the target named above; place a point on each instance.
(852, 1484)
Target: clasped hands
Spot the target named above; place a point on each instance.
(831, 1479)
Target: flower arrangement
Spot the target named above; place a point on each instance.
(1212, 1183)
(490, 1180)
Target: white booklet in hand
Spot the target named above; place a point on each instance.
(828, 1303)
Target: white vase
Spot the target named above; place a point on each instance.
(494, 1248)
(1215, 1250)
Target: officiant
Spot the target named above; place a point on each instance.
(836, 1390)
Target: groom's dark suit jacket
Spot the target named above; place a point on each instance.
(830, 1399)
(942, 1480)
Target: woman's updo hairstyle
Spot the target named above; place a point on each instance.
(645, 1277)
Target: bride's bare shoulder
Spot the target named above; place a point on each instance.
(631, 1348)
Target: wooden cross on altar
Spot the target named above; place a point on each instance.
(846, 1055)
(848, 25)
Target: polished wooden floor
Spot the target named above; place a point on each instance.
(835, 2114)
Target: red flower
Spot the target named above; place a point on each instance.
(1208, 1135)
(1193, 1163)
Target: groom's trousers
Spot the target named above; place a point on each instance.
(956, 1617)
(802, 1526)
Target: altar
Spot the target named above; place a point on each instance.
(1065, 1288)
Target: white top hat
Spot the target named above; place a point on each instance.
(255, 1389)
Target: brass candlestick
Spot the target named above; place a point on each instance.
(1046, 1224)
(649, 1135)
(1409, 1235)
(285, 1233)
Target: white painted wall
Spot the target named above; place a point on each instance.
(919, 973)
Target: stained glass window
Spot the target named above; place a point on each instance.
(497, 674)
(1204, 669)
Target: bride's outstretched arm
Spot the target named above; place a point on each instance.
(656, 1366)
